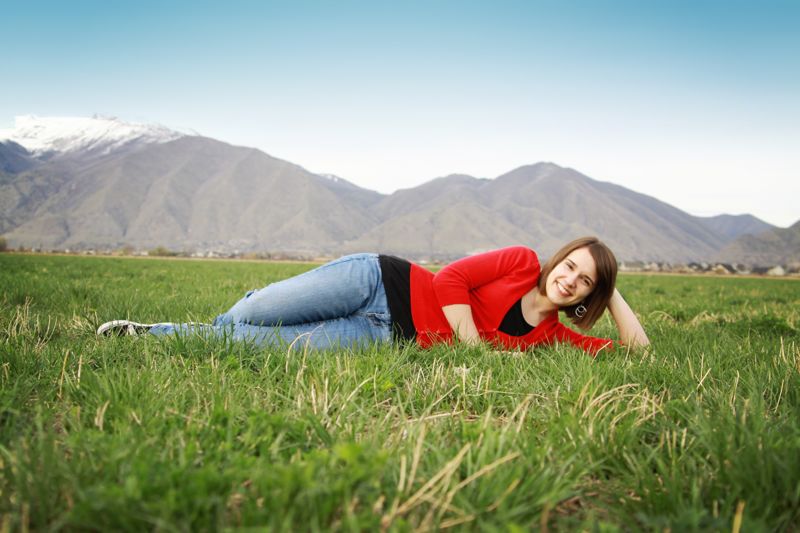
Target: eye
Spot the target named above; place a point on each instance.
(570, 266)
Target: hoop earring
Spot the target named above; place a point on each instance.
(580, 311)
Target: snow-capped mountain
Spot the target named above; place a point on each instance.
(98, 135)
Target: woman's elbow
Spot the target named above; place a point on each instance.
(639, 341)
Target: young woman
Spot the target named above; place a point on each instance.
(501, 297)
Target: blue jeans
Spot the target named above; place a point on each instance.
(339, 304)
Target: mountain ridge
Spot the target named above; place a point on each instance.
(776, 246)
(194, 192)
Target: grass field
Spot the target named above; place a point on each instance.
(701, 432)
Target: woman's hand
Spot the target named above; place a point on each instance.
(631, 332)
(459, 316)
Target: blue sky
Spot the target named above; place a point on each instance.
(695, 103)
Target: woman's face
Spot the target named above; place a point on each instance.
(572, 279)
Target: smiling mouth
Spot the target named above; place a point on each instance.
(563, 290)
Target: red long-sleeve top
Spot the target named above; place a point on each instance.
(490, 283)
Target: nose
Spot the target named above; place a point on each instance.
(572, 279)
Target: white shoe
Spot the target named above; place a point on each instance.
(119, 328)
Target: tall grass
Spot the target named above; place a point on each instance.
(701, 432)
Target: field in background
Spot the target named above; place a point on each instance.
(700, 432)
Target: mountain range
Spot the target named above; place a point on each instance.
(103, 183)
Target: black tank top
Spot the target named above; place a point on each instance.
(396, 275)
(514, 323)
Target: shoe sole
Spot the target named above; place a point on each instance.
(121, 328)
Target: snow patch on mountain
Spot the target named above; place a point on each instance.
(41, 135)
(340, 182)
(333, 177)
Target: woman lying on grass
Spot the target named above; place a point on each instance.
(501, 297)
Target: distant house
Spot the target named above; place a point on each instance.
(722, 269)
(776, 271)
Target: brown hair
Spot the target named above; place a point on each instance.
(597, 300)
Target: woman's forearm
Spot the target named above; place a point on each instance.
(459, 316)
(631, 332)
